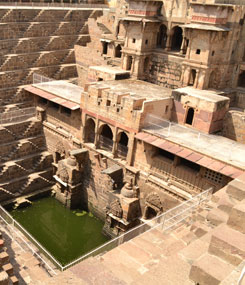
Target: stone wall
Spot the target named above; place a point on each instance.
(165, 71)
(234, 125)
(40, 41)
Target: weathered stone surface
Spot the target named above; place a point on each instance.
(4, 278)
(209, 269)
(217, 216)
(228, 244)
(237, 218)
(236, 189)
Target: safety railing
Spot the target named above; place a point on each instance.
(193, 138)
(17, 115)
(38, 78)
(16, 232)
(82, 4)
(163, 222)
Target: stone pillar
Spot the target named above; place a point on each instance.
(114, 147)
(96, 135)
(131, 143)
(196, 79)
(168, 43)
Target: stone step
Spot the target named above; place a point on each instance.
(237, 218)
(209, 270)
(8, 268)
(236, 188)
(200, 229)
(4, 257)
(228, 244)
(4, 278)
(14, 280)
(217, 216)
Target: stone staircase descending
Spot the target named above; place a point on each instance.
(25, 165)
(39, 40)
(207, 249)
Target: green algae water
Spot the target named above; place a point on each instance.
(66, 234)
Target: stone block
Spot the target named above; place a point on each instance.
(4, 279)
(225, 203)
(216, 216)
(8, 268)
(14, 280)
(209, 270)
(237, 218)
(4, 257)
(236, 189)
(228, 244)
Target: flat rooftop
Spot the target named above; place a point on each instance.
(109, 69)
(217, 147)
(62, 89)
(137, 88)
(207, 95)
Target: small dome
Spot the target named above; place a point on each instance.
(71, 161)
(127, 190)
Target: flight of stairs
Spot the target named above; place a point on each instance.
(206, 249)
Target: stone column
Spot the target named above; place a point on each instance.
(131, 143)
(96, 135)
(168, 43)
(114, 147)
(196, 79)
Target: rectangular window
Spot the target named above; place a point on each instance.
(66, 111)
(108, 103)
(42, 101)
(54, 105)
(190, 164)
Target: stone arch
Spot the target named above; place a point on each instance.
(162, 37)
(153, 206)
(122, 146)
(90, 130)
(176, 38)
(106, 137)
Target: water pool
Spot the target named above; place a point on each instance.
(66, 234)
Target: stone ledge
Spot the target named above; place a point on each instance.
(209, 270)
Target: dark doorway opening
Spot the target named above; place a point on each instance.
(105, 47)
(118, 52)
(129, 62)
(150, 213)
(162, 37)
(177, 39)
(192, 77)
(190, 116)
(241, 79)
(90, 131)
